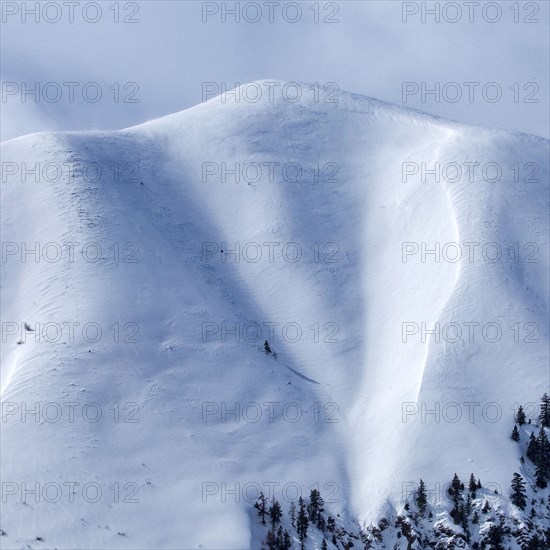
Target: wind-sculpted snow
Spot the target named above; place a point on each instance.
(362, 374)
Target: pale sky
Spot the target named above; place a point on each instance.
(159, 54)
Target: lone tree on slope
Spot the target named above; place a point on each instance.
(421, 498)
(520, 416)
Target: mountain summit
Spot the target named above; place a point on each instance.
(396, 263)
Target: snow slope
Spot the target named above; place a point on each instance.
(357, 369)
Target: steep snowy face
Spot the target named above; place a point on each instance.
(396, 263)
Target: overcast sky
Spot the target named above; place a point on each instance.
(155, 59)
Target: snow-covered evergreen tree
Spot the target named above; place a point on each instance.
(518, 495)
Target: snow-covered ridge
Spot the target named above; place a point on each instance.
(279, 94)
(349, 182)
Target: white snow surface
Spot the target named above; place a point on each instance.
(369, 374)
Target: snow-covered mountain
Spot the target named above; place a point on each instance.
(332, 209)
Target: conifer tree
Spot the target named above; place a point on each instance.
(292, 514)
(270, 541)
(472, 486)
(421, 498)
(324, 545)
(540, 477)
(267, 347)
(279, 537)
(495, 536)
(275, 513)
(464, 521)
(302, 522)
(331, 525)
(320, 509)
(261, 506)
(455, 488)
(532, 448)
(520, 416)
(515, 433)
(543, 454)
(518, 495)
(287, 543)
(315, 505)
(468, 507)
(321, 522)
(544, 416)
(457, 513)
